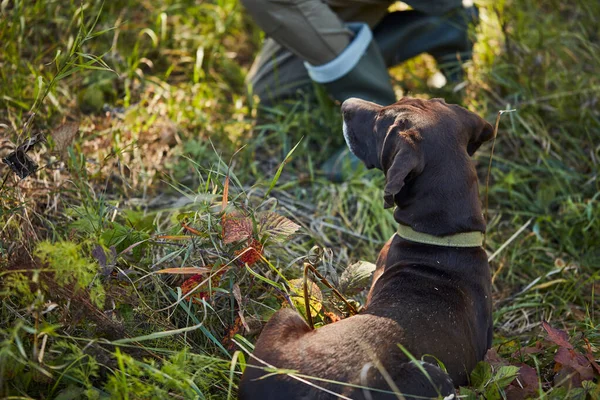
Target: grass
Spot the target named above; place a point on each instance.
(166, 132)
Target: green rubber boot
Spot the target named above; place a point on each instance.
(359, 71)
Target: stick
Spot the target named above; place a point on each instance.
(325, 282)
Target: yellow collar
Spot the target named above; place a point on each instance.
(465, 239)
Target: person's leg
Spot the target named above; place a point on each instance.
(368, 11)
(307, 28)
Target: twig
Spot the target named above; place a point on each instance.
(325, 282)
(306, 297)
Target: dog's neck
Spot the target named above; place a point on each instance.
(441, 202)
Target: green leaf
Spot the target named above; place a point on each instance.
(467, 394)
(481, 374)
(506, 375)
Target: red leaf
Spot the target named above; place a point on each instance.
(493, 358)
(528, 378)
(231, 332)
(557, 336)
(191, 283)
(590, 356)
(250, 254)
(525, 385)
(571, 361)
(332, 316)
(536, 349)
(203, 292)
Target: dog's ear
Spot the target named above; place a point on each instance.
(400, 156)
(481, 132)
(359, 130)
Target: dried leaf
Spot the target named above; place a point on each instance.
(244, 323)
(189, 284)
(236, 227)
(237, 294)
(19, 162)
(356, 277)
(557, 336)
(63, 136)
(100, 255)
(184, 270)
(276, 226)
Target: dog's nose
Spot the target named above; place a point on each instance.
(350, 104)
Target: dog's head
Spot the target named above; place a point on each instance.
(407, 137)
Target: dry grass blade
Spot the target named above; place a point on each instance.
(225, 193)
(184, 271)
(191, 230)
(489, 171)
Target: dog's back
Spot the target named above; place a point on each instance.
(415, 306)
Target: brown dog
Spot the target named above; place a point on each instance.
(431, 291)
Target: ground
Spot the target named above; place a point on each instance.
(164, 221)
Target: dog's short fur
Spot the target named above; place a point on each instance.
(432, 300)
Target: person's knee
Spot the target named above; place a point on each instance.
(266, 13)
(255, 7)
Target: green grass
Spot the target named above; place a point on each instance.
(164, 119)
